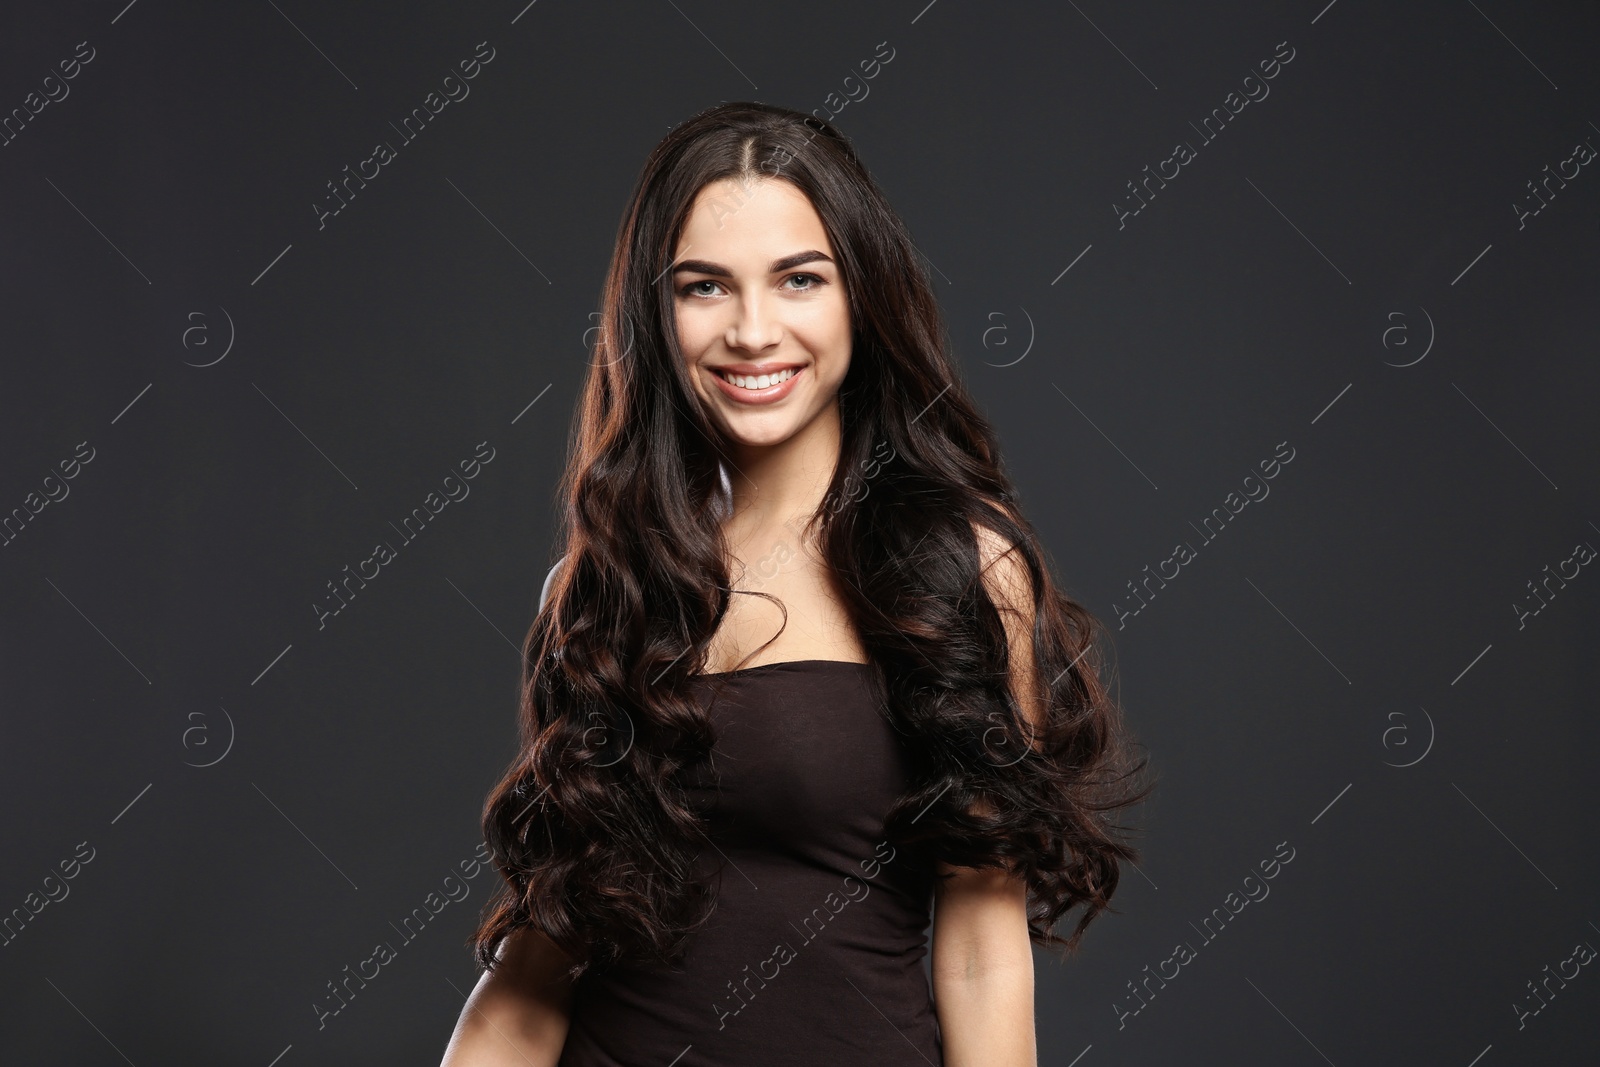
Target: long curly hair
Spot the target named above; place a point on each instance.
(591, 827)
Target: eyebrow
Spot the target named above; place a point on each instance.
(702, 266)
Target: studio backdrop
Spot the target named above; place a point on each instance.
(1286, 316)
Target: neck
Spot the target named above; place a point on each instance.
(786, 481)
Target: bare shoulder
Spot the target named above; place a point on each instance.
(1006, 578)
(1003, 569)
(549, 580)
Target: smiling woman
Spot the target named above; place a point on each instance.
(762, 318)
(712, 748)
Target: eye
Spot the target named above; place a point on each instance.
(689, 290)
(817, 281)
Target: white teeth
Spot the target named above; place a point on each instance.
(745, 381)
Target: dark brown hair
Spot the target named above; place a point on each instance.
(590, 826)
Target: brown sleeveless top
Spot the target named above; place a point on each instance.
(814, 952)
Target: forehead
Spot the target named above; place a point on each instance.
(751, 224)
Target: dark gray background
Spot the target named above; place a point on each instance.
(1362, 616)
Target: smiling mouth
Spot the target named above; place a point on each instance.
(755, 382)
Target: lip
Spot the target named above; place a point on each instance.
(771, 394)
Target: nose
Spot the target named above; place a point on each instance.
(755, 327)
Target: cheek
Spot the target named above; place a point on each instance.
(696, 339)
(841, 338)
(827, 330)
(688, 334)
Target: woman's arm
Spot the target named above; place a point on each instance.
(518, 1013)
(982, 963)
(982, 957)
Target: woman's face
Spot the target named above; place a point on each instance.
(758, 295)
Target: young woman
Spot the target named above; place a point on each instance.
(802, 674)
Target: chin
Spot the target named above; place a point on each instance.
(761, 440)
